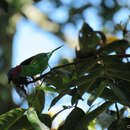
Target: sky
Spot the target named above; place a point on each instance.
(30, 39)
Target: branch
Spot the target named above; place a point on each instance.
(73, 63)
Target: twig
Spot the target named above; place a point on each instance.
(117, 110)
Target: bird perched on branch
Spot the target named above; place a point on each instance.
(29, 68)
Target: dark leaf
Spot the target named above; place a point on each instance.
(37, 100)
(46, 119)
(56, 99)
(123, 124)
(9, 118)
(115, 68)
(75, 96)
(22, 123)
(73, 119)
(88, 40)
(116, 46)
(106, 118)
(96, 93)
(92, 115)
(85, 66)
(122, 90)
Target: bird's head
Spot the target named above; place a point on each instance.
(10, 75)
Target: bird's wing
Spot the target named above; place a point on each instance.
(28, 61)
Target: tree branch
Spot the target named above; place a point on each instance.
(78, 61)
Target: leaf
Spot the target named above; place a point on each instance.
(9, 118)
(47, 88)
(56, 99)
(34, 120)
(85, 66)
(108, 94)
(122, 90)
(91, 80)
(88, 79)
(119, 74)
(37, 100)
(88, 40)
(75, 96)
(106, 118)
(46, 119)
(97, 92)
(22, 124)
(123, 124)
(73, 119)
(114, 67)
(92, 115)
(55, 78)
(115, 46)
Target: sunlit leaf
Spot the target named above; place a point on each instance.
(34, 120)
(47, 88)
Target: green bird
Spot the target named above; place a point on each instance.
(29, 68)
(36, 64)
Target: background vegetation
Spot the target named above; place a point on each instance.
(93, 70)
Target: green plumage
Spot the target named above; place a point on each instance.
(36, 64)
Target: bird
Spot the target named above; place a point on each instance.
(29, 68)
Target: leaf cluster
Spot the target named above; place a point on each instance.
(94, 70)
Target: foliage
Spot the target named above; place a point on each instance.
(94, 70)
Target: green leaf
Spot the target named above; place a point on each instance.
(73, 119)
(96, 93)
(47, 88)
(88, 40)
(34, 120)
(9, 118)
(22, 124)
(37, 100)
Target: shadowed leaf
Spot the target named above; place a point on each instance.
(9, 118)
